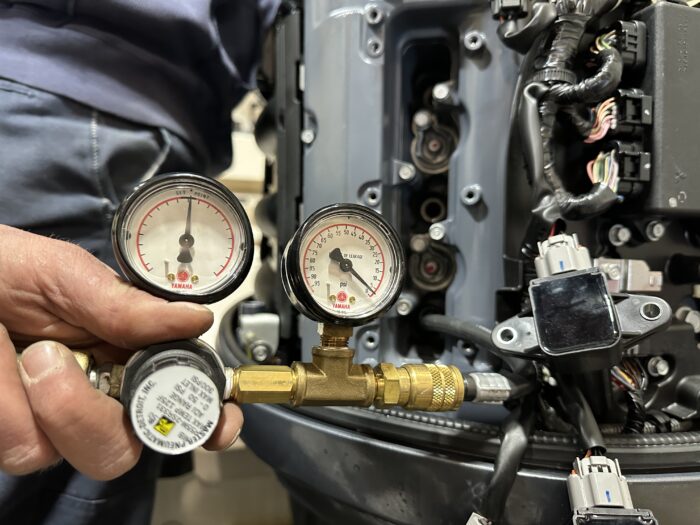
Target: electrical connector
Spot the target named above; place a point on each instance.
(509, 9)
(631, 42)
(614, 517)
(598, 494)
(634, 111)
(635, 167)
(478, 519)
(561, 253)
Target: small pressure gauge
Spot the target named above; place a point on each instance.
(183, 237)
(173, 394)
(344, 265)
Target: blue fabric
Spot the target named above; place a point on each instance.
(181, 65)
(63, 169)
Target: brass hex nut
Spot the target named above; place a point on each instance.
(392, 384)
(263, 384)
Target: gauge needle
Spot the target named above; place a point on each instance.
(346, 266)
(186, 239)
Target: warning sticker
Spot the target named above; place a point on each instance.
(175, 409)
(164, 426)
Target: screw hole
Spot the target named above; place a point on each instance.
(650, 311)
(506, 335)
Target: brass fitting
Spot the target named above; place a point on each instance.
(333, 379)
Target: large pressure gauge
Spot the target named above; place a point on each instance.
(344, 265)
(183, 237)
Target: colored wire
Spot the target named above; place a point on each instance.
(605, 115)
(604, 170)
(605, 41)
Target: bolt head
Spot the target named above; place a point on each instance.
(441, 92)
(421, 119)
(473, 41)
(658, 367)
(619, 235)
(308, 136)
(437, 231)
(471, 195)
(655, 230)
(260, 352)
(404, 306)
(419, 243)
(407, 172)
(373, 14)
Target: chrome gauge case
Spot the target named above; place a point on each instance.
(344, 265)
(183, 237)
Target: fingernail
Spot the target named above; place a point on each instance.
(41, 359)
(233, 441)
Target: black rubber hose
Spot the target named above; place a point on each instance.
(474, 333)
(516, 432)
(581, 415)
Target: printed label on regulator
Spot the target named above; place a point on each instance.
(175, 409)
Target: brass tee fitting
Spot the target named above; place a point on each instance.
(333, 379)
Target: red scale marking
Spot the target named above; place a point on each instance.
(308, 246)
(177, 199)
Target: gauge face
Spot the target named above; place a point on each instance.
(344, 265)
(183, 237)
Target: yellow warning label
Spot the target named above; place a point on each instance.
(164, 426)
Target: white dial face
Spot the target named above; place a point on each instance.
(348, 265)
(184, 238)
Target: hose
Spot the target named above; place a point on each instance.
(581, 415)
(516, 432)
(474, 333)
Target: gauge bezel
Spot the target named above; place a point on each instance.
(293, 280)
(148, 188)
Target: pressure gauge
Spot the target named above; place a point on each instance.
(344, 265)
(183, 237)
(173, 394)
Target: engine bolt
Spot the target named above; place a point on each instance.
(260, 352)
(655, 230)
(437, 231)
(619, 235)
(658, 366)
(308, 136)
(441, 92)
(407, 172)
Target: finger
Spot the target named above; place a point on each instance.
(89, 429)
(87, 293)
(24, 447)
(227, 430)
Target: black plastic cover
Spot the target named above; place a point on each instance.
(574, 313)
(672, 77)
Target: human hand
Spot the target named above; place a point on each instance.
(55, 296)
